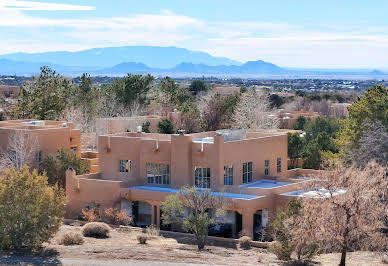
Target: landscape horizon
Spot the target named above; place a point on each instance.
(161, 61)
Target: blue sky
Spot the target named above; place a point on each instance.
(292, 33)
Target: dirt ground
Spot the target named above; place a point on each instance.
(122, 246)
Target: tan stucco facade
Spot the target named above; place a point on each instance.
(183, 153)
(47, 137)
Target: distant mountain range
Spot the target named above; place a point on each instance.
(116, 61)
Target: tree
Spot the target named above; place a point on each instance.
(252, 112)
(133, 88)
(190, 122)
(372, 107)
(284, 226)
(275, 100)
(295, 145)
(212, 113)
(373, 145)
(198, 86)
(348, 210)
(300, 123)
(2, 117)
(55, 166)
(45, 97)
(21, 150)
(165, 127)
(320, 137)
(146, 127)
(199, 204)
(31, 211)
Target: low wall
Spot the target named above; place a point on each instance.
(89, 188)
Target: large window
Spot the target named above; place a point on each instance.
(228, 175)
(279, 165)
(158, 173)
(266, 167)
(247, 172)
(202, 177)
(124, 166)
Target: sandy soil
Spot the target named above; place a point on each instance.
(122, 248)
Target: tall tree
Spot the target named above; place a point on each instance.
(45, 97)
(133, 89)
(347, 210)
(251, 112)
(198, 86)
(372, 107)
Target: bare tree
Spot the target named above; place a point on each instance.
(21, 151)
(252, 112)
(373, 145)
(347, 210)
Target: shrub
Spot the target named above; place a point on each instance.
(282, 250)
(96, 229)
(56, 166)
(152, 230)
(31, 211)
(118, 216)
(142, 239)
(90, 215)
(71, 238)
(245, 242)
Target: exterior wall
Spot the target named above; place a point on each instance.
(48, 138)
(182, 154)
(84, 189)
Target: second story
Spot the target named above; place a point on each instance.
(42, 136)
(218, 160)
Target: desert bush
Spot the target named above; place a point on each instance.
(152, 230)
(71, 238)
(245, 242)
(118, 216)
(31, 211)
(90, 215)
(96, 229)
(142, 239)
(282, 250)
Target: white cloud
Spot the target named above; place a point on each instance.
(280, 43)
(41, 6)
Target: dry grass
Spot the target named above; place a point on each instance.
(123, 245)
(142, 238)
(96, 229)
(71, 238)
(245, 242)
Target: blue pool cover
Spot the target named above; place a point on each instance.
(216, 194)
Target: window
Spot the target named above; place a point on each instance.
(228, 175)
(279, 165)
(73, 148)
(12, 155)
(247, 172)
(158, 173)
(124, 166)
(266, 167)
(202, 177)
(38, 157)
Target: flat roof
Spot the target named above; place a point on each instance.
(215, 194)
(266, 183)
(314, 193)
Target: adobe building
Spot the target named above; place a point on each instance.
(138, 171)
(288, 119)
(44, 137)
